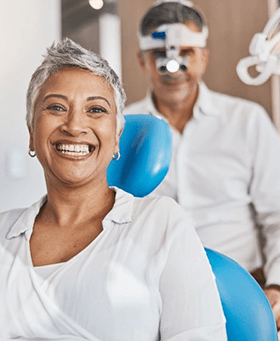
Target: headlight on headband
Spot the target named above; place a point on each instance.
(171, 37)
(172, 63)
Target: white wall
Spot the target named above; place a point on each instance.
(110, 41)
(27, 27)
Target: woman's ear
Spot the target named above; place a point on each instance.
(117, 148)
(31, 140)
(119, 133)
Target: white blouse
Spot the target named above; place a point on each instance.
(145, 277)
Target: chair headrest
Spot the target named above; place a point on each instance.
(146, 149)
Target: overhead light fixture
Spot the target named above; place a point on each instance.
(96, 4)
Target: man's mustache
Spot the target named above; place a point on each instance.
(168, 78)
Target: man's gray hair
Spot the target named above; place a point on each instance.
(68, 54)
(169, 13)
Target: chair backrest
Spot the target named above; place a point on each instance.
(246, 308)
(146, 150)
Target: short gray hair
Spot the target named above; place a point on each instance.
(68, 54)
(170, 13)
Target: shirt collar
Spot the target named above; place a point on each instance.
(25, 221)
(121, 213)
(204, 103)
(150, 106)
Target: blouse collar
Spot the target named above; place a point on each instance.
(121, 213)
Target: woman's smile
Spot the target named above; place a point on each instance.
(76, 150)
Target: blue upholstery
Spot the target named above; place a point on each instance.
(145, 147)
(246, 308)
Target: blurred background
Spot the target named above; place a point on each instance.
(28, 27)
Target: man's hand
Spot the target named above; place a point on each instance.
(273, 295)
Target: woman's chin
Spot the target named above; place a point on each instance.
(75, 178)
(67, 179)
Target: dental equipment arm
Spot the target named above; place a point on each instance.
(261, 49)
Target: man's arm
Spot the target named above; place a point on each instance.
(265, 192)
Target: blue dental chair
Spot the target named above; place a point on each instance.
(146, 151)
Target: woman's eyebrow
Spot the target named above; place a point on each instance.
(54, 95)
(91, 98)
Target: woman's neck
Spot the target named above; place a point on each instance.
(67, 205)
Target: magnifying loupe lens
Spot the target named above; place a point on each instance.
(183, 68)
(172, 65)
(162, 69)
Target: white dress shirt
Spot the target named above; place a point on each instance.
(225, 171)
(145, 277)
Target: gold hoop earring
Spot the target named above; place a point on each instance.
(116, 156)
(31, 153)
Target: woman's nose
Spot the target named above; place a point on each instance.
(75, 123)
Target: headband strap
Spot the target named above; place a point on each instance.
(186, 3)
(177, 34)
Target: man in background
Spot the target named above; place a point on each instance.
(225, 168)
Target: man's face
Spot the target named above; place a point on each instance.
(178, 86)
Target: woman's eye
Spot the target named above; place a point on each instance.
(97, 110)
(55, 107)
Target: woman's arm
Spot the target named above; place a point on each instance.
(192, 309)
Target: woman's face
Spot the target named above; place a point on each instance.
(74, 128)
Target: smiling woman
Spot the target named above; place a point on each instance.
(74, 128)
(89, 261)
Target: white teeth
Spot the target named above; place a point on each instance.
(73, 149)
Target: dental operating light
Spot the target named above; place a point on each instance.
(96, 4)
(265, 54)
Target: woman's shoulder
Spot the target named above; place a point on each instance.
(161, 211)
(160, 204)
(11, 215)
(158, 222)
(8, 219)
(151, 208)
